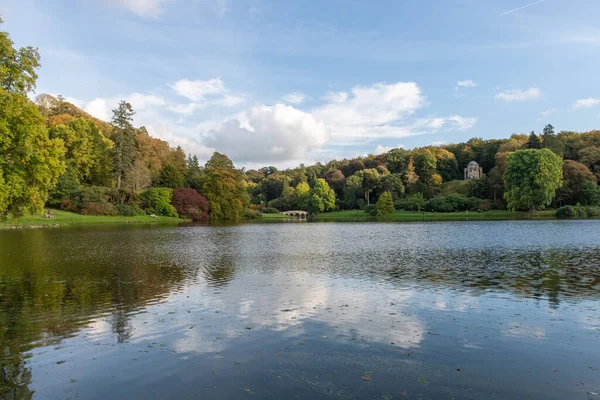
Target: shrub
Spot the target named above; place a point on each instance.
(249, 213)
(270, 210)
(370, 209)
(92, 208)
(158, 201)
(577, 212)
(452, 202)
(385, 205)
(128, 210)
(68, 205)
(190, 204)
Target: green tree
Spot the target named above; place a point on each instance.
(416, 201)
(17, 66)
(392, 183)
(321, 198)
(30, 162)
(385, 205)
(532, 178)
(533, 142)
(302, 194)
(170, 176)
(575, 176)
(224, 188)
(590, 194)
(124, 137)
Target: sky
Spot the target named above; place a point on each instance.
(282, 83)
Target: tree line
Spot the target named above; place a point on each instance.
(53, 153)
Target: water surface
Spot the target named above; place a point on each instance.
(450, 310)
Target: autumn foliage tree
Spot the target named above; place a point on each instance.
(190, 204)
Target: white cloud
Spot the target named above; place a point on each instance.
(198, 90)
(455, 122)
(143, 8)
(273, 134)
(548, 112)
(102, 108)
(374, 111)
(519, 95)
(294, 97)
(335, 97)
(467, 83)
(586, 103)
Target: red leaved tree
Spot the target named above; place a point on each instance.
(190, 204)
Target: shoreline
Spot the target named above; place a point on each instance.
(414, 216)
(64, 219)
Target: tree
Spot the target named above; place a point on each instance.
(321, 198)
(124, 139)
(416, 202)
(575, 176)
(224, 188)
(302, 194)
(590, 157)
(17, 66)
(532, 178)
(385, 205)
(533, 142)
(392, 183)
(86, 147)
(138, 177)
(170, 176)
(30, 162)
(190, 204)
(397, 160)
(590, 194)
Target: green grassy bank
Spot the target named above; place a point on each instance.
(64, 218)
(400, 216)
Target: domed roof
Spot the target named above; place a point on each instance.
(473, 164)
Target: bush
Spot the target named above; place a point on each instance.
(252, 214)
(270, 210)
(577, 212)
(385, 205)
(128, 210)
(370, 209)
(94, 194)
(158, 201)
(92, 208)
(68, 205)
(190, 204)
(452, 202)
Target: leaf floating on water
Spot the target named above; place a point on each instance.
(248, 390)
(61, 362)
(367, 376)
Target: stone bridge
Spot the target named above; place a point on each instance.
(296, 213)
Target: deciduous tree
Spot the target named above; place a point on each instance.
(532, 178)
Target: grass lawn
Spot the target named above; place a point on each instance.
(350, 215)
(64, 218)
(274, 216)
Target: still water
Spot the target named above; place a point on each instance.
(451, 310)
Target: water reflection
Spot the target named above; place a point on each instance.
(282, 308)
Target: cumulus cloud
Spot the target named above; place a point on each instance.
(294, 97)
(586, 103)
(101, 108)
(466, 83)
(335, 97)
(374, 111)
(519, 95)
(143, 8)
(269, 134)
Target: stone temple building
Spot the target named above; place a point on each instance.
(473, 171)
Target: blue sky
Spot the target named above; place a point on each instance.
(279, 83)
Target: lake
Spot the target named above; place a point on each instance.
(450, 310)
